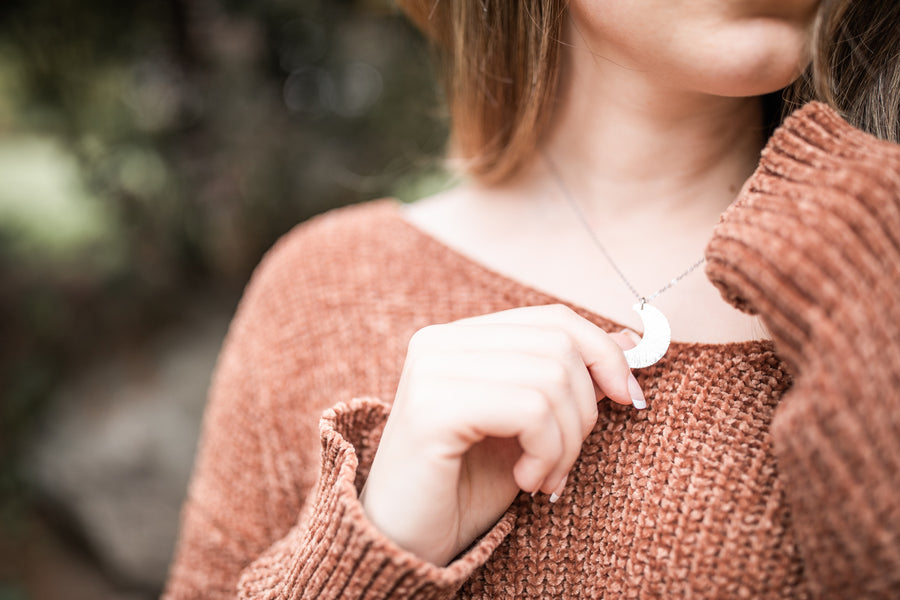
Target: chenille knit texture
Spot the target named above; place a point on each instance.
(762, 469)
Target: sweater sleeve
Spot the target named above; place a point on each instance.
(812, 245)
(272, 509)
(336, 552)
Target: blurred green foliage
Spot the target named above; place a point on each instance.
(154, 148)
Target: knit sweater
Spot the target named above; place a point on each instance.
(760, 469)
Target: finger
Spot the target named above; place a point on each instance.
(625, 339)
(545, 375)
(539, 341)
(478, 410)
(602, 356)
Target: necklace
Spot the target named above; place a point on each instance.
(657, 333)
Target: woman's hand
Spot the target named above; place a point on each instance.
(485, 407)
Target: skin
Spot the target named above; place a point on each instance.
(657, 127)
(487, 407)
(728, 48)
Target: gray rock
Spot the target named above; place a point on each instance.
(116, 452)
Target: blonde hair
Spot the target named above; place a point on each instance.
(501, 62)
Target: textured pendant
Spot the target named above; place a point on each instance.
(654, 342)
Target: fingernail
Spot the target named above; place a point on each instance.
(634, 390)
(559, 489)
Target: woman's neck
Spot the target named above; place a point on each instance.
(652, 170)
(628, 144)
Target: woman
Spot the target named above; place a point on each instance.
(520, 455)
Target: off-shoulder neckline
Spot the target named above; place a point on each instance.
(509, 286)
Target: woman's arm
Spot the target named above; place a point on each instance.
(813, 246)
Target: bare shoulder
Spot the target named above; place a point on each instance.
(445, 211)
(475, 220)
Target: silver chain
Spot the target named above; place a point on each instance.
(578, 212)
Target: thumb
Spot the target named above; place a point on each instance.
(626, 339)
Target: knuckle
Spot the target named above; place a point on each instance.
(560, 344)
(425, 337)
(556, 377)
(561, 311)
(535, 408)
(422, 367)
(571, 454)
(590, 421)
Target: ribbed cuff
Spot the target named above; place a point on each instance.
(811, 229)
(339, 553)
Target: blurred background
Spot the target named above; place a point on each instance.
(150, 152)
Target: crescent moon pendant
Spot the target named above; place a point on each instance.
(654, 342)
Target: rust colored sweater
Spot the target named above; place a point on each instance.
(760, 469)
